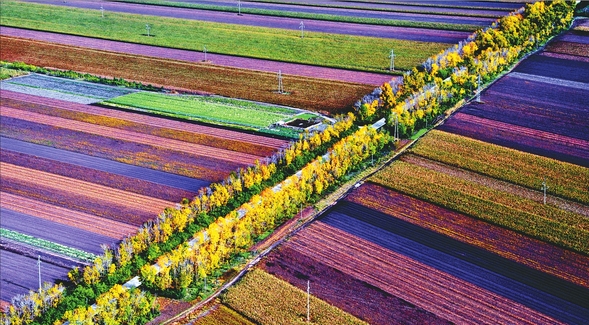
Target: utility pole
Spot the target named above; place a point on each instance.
(544, 188)
(102, 11)
(396, 131)
(39, 265)
(392, 65)
(280, 87)
(239, 7)
(205, 52)
(478, 99)
(308, 301)
(302, 28)
(147, 28)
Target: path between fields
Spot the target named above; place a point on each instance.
(497, 184)
(375, 79)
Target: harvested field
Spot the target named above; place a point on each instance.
(87, 222)
(307, 93)
(80, 195)
(344, 291)
(511, 245)
(572, 150)
(99, 164)
(59, 233)
(178, 130)
(363, 256)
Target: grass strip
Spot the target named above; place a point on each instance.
(329, 17)
(565, 180)
(265, 299)
(545, 222)
(6, 73)
(193, 108)
(420, 4)
(47, 245)
(321, 49)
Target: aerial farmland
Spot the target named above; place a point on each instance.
(294, 162)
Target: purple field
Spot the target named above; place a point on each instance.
(60, 233)
(550, 107)
(115, 149)
(546, 66)
(20, 274)
(534, 141)
(121, 182)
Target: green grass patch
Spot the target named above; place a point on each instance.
(542, 221)
(6, 73)
(328, 17)
(221, 111)
(47, 245)
(322, 49)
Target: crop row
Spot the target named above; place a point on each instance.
(195, 109)
(48, 245)
(308, 93)
(140, 123)
(125, 183)
(361, 53)
(133, 153)
(268, 300)
(545, 222)
(563, 179)
(438, 292)
(146, 139)
(344, 291)
(79, 195)
(538, 142)
(77, 219)
(569, 48)
(509, 244)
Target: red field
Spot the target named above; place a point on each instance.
(344, 291)
(547, 258)
(426, 287)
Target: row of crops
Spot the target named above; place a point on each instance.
(218, 236)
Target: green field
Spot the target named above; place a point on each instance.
(223, 111)
(327, 17)
(330, 50)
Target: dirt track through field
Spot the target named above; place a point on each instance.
(191, 148)
(375, 79)
(78, 219)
